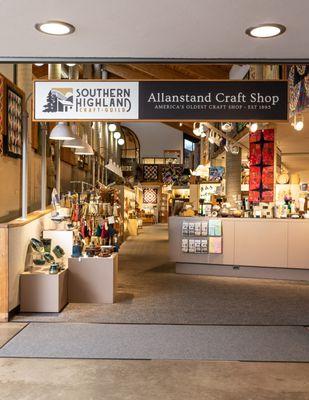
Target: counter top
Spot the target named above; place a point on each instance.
(198, 217)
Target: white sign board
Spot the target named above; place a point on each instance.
(85, 100)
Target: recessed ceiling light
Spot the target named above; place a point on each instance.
(266, 30)
(39, 64)
(55, 28)
(70, 65)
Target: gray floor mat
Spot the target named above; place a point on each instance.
(121, 341)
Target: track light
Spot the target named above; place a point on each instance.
(298, 122)
(218, 140)
(197, 131)
(253, 127)
(211, 137)
(234, 150)
(227, 127)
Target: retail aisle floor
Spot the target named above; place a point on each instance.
(151, 292)
(42, 379)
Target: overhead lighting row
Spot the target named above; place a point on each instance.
(116, 134)
(64, 132)
(62, 28)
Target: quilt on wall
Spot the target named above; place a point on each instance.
(261, 180)
(150, 196)
(150, 173)
(1, 113)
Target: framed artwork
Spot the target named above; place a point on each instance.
(14, 105)
(2, 113)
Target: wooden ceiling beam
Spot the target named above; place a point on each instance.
(124, 71)
(160, 71)
(202, 71)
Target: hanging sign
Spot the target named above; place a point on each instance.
(156, 100)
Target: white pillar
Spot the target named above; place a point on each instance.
(54, 72)
(24, 178)
(43, 167)
(24, 81)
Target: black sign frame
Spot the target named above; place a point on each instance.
(270, 87)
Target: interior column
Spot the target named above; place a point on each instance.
(54, 72)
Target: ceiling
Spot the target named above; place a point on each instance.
(161, 29)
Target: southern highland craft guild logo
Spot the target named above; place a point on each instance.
(59, 100)
(88, 100)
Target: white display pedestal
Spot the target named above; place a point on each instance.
(64, 239)
(93, 279)
(42, 292)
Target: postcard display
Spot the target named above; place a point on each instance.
(202, 237)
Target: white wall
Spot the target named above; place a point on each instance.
(156, 137)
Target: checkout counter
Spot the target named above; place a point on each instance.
(251, 247)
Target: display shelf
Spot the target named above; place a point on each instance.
(93, 279)
(42, 292)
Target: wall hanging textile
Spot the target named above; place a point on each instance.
(11, 115)
(261, 155)
(150, 172)
(298, 77)
(150, 196)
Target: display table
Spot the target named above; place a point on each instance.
(93, 279)
(42, 292)
(278, 245)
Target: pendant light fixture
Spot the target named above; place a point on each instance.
(112, 127)
(86, 150)
(121, 142)
(76, 143)
(117, 135)
(62, 132)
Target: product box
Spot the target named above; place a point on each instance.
(185, 245)
(185, 228)
(197, 229)
(191, 246)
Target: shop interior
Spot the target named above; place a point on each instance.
(101, 193)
